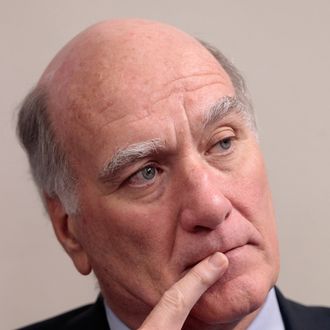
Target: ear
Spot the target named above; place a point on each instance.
(65, 227)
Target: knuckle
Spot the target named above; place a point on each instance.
(174, 299)
(201, 278)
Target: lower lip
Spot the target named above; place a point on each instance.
(236, 252)
(233, 251)
(231, 255)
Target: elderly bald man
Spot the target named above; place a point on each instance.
(143, 144)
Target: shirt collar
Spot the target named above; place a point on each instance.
(268, 318)
(113, 320)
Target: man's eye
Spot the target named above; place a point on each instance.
(144, 177)
(225, 143)
(223, 146)
(148, 173)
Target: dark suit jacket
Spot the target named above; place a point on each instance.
(93, 317)
(299, 317)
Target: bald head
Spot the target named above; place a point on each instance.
(125, 47)
(113, 60)
(110, 68)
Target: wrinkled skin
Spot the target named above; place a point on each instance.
(124, 82)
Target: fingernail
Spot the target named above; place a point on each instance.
(217, 259)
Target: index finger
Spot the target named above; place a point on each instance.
(176, 303)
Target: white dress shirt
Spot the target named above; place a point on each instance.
(268, 318)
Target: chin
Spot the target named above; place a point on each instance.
(230, 300)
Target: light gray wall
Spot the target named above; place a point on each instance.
(282, 47)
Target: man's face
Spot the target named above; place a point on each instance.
(200, 188)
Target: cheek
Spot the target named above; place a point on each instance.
(128, 246)
(254, 202)
(133, 233)
(251, 196)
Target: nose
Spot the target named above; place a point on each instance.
(204, 205)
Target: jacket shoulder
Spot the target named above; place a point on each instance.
(90, 316)
(298, 316)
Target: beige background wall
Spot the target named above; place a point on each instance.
(282, 47)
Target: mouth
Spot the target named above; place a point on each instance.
(230, 254)
(234, 250)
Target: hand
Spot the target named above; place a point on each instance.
(176, 303)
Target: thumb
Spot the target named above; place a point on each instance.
(176, 303)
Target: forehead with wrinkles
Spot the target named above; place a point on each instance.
(114, 67)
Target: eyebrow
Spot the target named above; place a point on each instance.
(124, 157)
(220, 109)
(129, 155)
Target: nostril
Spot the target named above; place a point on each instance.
(201, 229)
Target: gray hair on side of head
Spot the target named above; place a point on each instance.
(238, 82)
(48, 162)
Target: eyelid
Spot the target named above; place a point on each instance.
(220, 135)
(223, 133)
(139, 170)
